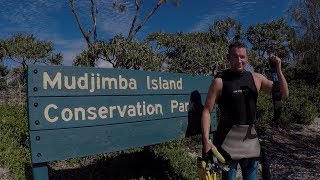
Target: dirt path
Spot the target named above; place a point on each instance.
(294, 151)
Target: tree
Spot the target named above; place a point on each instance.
(227, 30)
(134, 28)
(195, 53)
(266, 38)
(198, 52)
(120, 52)
(306, 17)
(21, 50)
(306, 14)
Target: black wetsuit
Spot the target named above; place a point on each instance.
(237, 105)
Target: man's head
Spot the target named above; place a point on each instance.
(237, 56)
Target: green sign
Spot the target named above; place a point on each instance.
(81, 111)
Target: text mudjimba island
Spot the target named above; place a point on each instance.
(96, 81)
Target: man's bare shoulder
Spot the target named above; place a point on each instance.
(257, 75)
(217, 81)
(216, 84)
(262, 83)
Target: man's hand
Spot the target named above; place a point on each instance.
(283, 83)
(207, 146)
(276, 60)
(210, 150)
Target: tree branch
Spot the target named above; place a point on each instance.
(10, 57)
(135, 18)
(24, 63)
(94, 19)
(85, 35)
(113, 59)
(146, 19)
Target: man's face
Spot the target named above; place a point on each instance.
(238, 59)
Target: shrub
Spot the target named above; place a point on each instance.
(300, 107)
(176, 159)
(264, 111)
(14, 150)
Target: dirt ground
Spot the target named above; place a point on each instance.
(292, 151)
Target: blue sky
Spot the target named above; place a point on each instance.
(53, 20)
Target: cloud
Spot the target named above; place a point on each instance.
(204, 23)
(104, 64)
(113, 22)
(31, 16)
(70, 48)
(236, 9)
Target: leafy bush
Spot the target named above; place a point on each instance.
(315, 97)
(300, 107)
(182, 166)
(264, 111)
(14, 150)
(14, 122)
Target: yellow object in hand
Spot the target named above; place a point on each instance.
(218, 155)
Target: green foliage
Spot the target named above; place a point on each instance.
(304, 80)
(297, 110)
(272, 37)
(198, 52)
(304, 73)
(121, 53)
(26, 49)
(264, 111)
(194, 53)
(14, 123)
(22, 50)
(89, 59)
(301, 106)
(15, 157)
(308, 66)
(315, 98)
(306, 16)
(173, 154)
(227, 30)
(14, 152)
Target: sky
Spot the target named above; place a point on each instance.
(52, 20)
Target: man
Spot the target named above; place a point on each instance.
(236, 92)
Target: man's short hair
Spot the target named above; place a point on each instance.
(236, 44)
